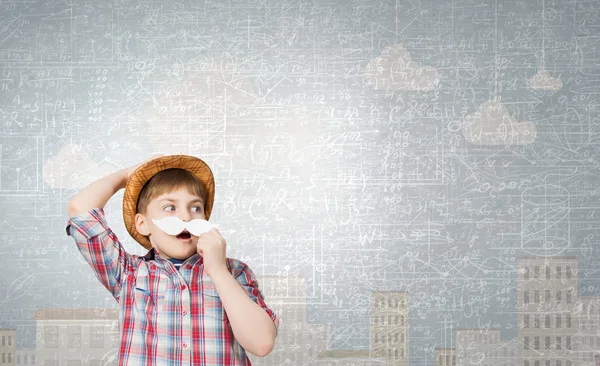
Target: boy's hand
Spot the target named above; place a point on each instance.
(212, 247)
(127, 171)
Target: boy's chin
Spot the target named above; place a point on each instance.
(181, 253)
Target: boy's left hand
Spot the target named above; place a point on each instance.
(212, 247)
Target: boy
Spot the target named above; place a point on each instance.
(184, 302)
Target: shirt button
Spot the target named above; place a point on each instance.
(183, 287)
(188, 266)
(184, 312)
(184, 345)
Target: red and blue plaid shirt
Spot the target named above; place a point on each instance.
(166, 316)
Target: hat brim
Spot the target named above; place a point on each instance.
(144, 172)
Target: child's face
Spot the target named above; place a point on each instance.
(179, 203)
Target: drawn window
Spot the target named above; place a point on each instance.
(74, 336)
(97, 336)
(51, 336)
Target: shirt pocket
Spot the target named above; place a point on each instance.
(150, 291)
(144, 303)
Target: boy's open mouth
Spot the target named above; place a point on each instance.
(184, 235)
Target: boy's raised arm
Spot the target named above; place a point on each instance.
(97, 193)
(95, 240)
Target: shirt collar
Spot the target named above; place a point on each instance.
(150, 255)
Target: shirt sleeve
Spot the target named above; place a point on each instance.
(246, 278)
(101, 248)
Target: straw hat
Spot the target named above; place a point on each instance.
(144, 172)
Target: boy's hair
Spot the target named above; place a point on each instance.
(167, 181)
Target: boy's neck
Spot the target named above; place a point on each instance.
(177, 260)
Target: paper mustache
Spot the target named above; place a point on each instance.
(174, 226)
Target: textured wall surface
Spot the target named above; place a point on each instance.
(415, 148)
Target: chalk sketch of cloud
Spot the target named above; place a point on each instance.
(544, 81)
(71, 167)
(492, 124)
(395, 69)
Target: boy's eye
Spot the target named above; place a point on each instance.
(198, 207)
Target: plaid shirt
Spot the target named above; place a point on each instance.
(166, 316)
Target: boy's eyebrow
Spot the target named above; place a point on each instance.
(175, 200)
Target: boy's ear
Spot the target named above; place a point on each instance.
(141, 225)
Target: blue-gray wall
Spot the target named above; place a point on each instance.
(438, 138)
